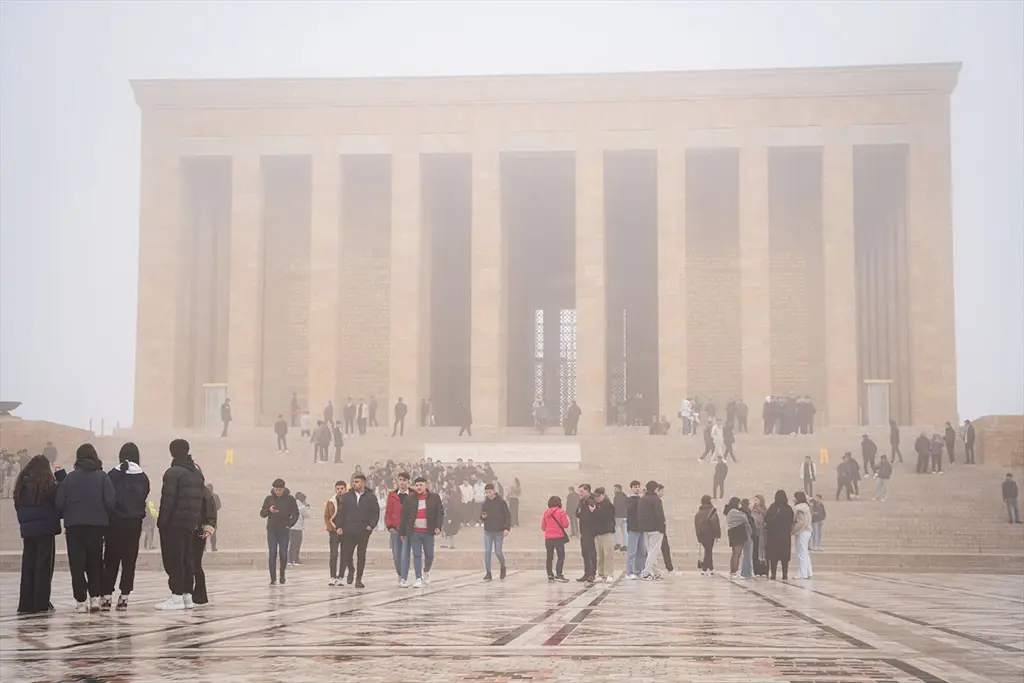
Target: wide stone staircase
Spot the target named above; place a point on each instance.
(953, 522)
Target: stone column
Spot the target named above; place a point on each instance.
(488, 303)
(245, 320)
(842, 394)
(671, 277)
(755, 299)
(157, 382)
(408, 336)
(324, 276)
(930, 264)
(591, 313)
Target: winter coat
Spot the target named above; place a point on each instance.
(885, 470)
(132, 489)
(868, 449)
(603, 517)
(632, 519)
(619, 501)
(181, 495)
(549, 524)
(498, 516)
(651, 513)
(287, 513)
(778, 522)
(1009, 489)
(393, 508)
(38, 518)
(433, 507)
(208, 511)
(281, 427)
(86, 497)
(304, 514)
(801, 518)
(706, 524)
(357, 516)
(739, 527)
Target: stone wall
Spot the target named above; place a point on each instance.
(1000, 440)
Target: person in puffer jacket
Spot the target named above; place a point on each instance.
(131, 486)
(35, 496)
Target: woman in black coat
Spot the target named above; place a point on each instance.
(35, 495)
(121, 550)
(778, 522)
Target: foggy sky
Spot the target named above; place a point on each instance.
(69, 139)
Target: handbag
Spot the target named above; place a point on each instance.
(565, 534)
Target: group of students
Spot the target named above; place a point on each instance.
(103, 514)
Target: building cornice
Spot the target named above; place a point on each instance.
(938, 78)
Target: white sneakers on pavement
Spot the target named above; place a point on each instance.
(426, 578)
(187, 599)
(418, 583)
(175, 602)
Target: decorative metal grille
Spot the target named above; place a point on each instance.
(567, 360)
(538, 355)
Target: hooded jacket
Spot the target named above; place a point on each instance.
(651, 513)
(498, 516)
(86, 497)
(181, 495)
(706, 524)
(131, 485)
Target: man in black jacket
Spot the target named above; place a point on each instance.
(894, 440)
(401, 410)
(281, 429)
(868, 451)
(588, 549)
(181, 500)
(356, 519)
(636, 552)
(497, 521)
(651, 517)
(922, 446)
(572, 504)
(969, 442)
(1009, 491)
(225, 416)
(422, 515)
(619, 501)
(207, 529)
(281, 513)
(602, 512)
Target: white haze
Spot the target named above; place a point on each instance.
(70, 139)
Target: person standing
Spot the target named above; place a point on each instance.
(619, 501)
(572, 419)
(50, 452)
(131, 489)
(739, 534)
(768, 415)
(281, 429)
(294, 416)
(809, 473)
(588, 549)
(339, 442)
(728, 439)
(465, 419)
(969, 442)
(304, 425)
(362, 415)
(602, 512)
(923, 447)
(572, 504)
(281, 512)
(515, 490)
(206, 531)
(1009, 491)
(651, 516)
(323, 441)
(843, 475)
(330, 516)
(356, 520)
(497, 522)
(882, 477)
(757, 512)
(894, 440)
(422, 516)
(372, 407)
(636, 553)
(742, 412)
(708, 528)
(949, 436)
(181, 501)
(348, 412)
(392, 521)
(35, 501)
(818, 515)
(85, 499)
(225, 416)
(554, 523)
(401, 410)
(935, 447)
(778, 523)
(216, 512)
(802, 532)
(868, 451)
(295, 535)
(718, 482)
(329, 411)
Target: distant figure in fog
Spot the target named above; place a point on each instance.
(225, 416)
(465, 419)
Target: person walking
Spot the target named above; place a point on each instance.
(85, 499)
(497, 522)
(603, 513)
(357, 518)
(802, 532)
(281, 512)
(709, 443)
(817, 521)
(554, 524)
(969, 442)
(778, 523)
(206, 531)
(1009, 491)
(636, 553)
(728, 439)
(588, 548)
(331, 509)
(809, 474)
(225, 416)
(894, 440)
(465, 419)
(295, 535)
(708, 528)
(131, 489)
(651, 516)
(35, 501)
(949, 436)
(868, 451)
(843, 476)
(392, 523)
(718, 480)
(422, 517)
(339, 442)
(281, 429)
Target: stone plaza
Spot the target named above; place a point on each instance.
(842, 627)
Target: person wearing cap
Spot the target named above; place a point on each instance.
(281, 513)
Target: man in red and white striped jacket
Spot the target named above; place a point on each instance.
(422, 517)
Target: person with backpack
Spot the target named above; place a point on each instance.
(708, 528)
(131, 486)
(554, 523)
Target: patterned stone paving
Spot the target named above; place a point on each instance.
(838, 628)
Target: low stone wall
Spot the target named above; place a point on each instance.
(1000, 440)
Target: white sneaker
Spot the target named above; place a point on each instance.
(94, 604)
(332, 582)
(711, 572)
(733, 576)
(703, 572)
(426, 578)
(402, 583)
(631, 577)
(187, 599)
(82, 607)
(610, 579)
(175, 602)
(418, 583)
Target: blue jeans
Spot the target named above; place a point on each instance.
(493, 539)
(747, 560)
(422, 545)
(636, 553)
(1012, 509)
(400, 554)
(816, 528)
(620, 531)
(277, 544)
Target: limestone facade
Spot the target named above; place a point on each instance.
(746, 315)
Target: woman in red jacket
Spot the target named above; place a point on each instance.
(554, 523)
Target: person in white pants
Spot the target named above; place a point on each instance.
(802, 532)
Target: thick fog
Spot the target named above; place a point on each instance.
(69, 178)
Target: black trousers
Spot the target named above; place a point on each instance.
(742, 424)
(708, 563)
(176, 553)
(467, 429)
(951, 450)
(294, 545)
(728, 452)
(574, 525)
(337, 453)
(969, 452)
(551, 547)
(896, 451)
(224, 432)
(362, 426)
(85, 558)
(718, 489)
(282, 442)
(588, 549)
(709, 449)
(399, 427)
(37, 559)
(785, 568)
(841, 486)
(937, 462)
(869, 460)
(809, 487)
(349, 422)
(354, 543)
(513, 509)
(373, 418)
(198, 590)
(121, 552)
(666, 552)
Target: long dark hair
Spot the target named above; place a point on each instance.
(36, 479)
